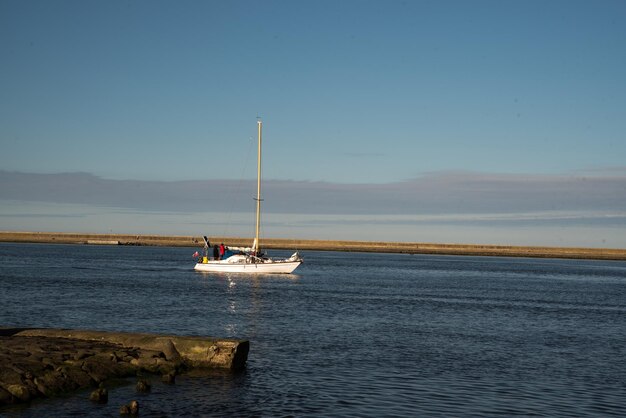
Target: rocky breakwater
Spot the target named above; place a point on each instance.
(48, 362)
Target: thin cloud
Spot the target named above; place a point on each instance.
(432, 194)
(603, 171)
(363, 154)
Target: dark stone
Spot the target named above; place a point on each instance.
(49, 384)
(21, 392)
(123, 369)
(5, 397)
(131, 409)
(97, 367)
(41, 362)
(143, 386)
(8, 376)
(55, 383)
(170, 352)
(121, 356)
(81, 354)
(100, 395)
(134, 407)
(48, 363)
(168, 378)
(78, 376)
(166, 367)
(100, 367)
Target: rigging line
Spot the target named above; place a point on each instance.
(236, 193)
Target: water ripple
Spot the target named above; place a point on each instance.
(350, 335)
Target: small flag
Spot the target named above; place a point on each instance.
(195, 254)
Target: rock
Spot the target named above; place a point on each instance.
(100, 395)
(43, 362)
(134, 407)
(143, 386)
(5, 397)
(48, 363)
(78, 376)
(170, 352)
(165, 367)
(21, 392)
(9, 376)
(98, 367)
(54, 383)
(169, 378)
(147, 362)
(122, 356)
(81, 354)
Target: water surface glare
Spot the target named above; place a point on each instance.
(350, 335)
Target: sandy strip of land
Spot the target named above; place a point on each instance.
(318, 245)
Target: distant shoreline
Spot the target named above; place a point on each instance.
(318, 245)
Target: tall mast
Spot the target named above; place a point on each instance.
(255, 248)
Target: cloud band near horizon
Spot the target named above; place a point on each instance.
(446, 193)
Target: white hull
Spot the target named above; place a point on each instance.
(224, 266)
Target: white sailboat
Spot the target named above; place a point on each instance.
(250, 260)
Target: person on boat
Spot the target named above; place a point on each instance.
(216, 252)
(222, 250)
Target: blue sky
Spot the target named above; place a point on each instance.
(411, 104)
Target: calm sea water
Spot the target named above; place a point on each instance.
(350, 335)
